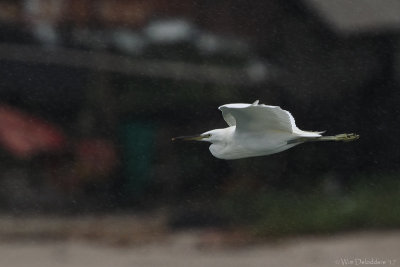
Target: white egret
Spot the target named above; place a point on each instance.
(258, 130)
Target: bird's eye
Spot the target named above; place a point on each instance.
(208, 135)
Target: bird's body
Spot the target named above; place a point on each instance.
(237, 145)
(258, 130)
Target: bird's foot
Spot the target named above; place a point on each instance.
(346, 137)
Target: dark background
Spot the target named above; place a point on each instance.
(118, 79)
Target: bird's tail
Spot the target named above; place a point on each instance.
(340, 137)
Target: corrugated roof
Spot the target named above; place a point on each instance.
(354, 16)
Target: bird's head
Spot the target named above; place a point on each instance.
(212, 136)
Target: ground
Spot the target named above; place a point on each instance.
(205, 247)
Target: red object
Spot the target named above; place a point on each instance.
(96, 156)
(25, 135)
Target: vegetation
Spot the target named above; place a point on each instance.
(274, 213)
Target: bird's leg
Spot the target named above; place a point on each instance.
(347, 137)
(339, 137)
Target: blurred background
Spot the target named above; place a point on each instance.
(91, 93)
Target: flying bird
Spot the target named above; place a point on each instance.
(258, 130)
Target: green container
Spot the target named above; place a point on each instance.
(138, 149)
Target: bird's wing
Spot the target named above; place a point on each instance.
(254, 117)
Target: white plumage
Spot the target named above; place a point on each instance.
(258, 130)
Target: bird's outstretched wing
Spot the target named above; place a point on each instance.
(255, 117)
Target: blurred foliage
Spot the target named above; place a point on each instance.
(362, 205)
